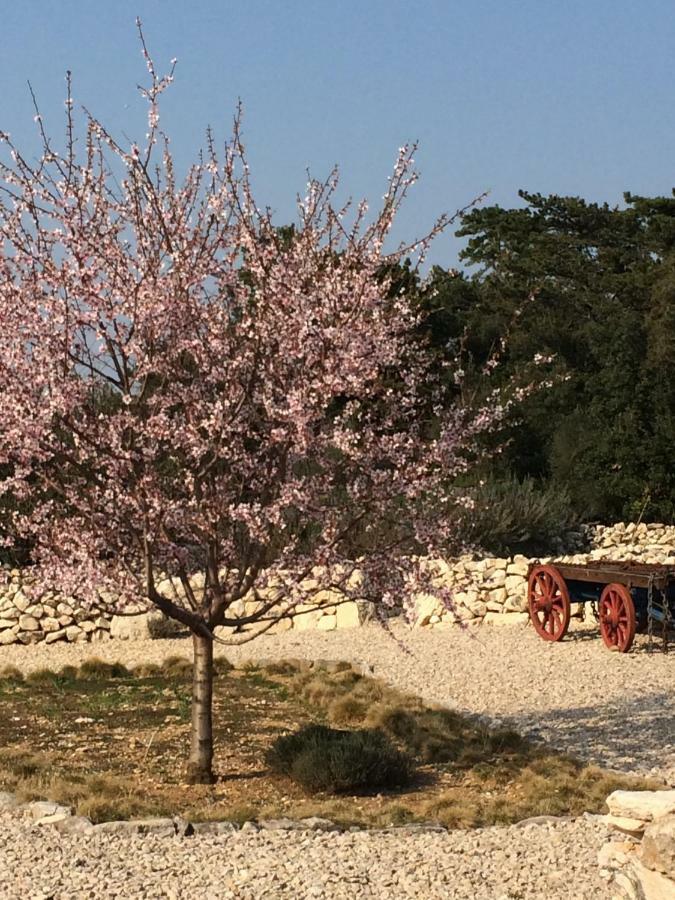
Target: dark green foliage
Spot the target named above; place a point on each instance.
(602, 283)
(327, 759)
(512, 516)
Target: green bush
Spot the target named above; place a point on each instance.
(512, 516)
(327, 759)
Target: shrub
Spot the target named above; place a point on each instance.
(512, 516)
(327, 759)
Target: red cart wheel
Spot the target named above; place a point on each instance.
(616, 612)
(549, 603)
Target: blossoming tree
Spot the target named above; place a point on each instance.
(190, 391)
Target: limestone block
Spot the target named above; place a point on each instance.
(28, 623)
(8, 637)
(497, 579)
(349, 615)
(53, 636)
(497, 596)
(478, 608)
(48, 624)
(327, 623)
(11, 612)
(72, 632)
(144, 626)
(625, 824)
(426, 605)
(658, 846)
(21, 601)
(506, 618)
(7, 623)
(306, 617)
(652, 885)
(515, 584)
(645, 805)
(87, 626)
(280, 626)
(518, 567)
(516, 604)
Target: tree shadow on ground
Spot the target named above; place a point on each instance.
(637, 735)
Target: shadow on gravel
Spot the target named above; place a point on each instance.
(637, 735)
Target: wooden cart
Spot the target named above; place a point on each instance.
(626, 597)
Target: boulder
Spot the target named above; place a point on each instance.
(658, 846)
(327, 623)
(652, 885)
(28, 623)
(644, 805)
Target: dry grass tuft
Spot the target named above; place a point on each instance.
(11, 673)
(97, 669)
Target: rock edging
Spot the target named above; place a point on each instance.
(640, 861)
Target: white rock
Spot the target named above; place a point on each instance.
(327, 623)
(625, 824)
(53, 636)
(653, 885)
(28, 623)
(153, 624)
(658, 846)
(507, 618)
(644, 805)
(426, 606)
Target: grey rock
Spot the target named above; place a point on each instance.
(214, 827)
(316, 823)
(8, 801)
(161, 827)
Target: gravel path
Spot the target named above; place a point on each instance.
(614, 709)
(546, 862)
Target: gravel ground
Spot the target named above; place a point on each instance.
(614, 709)
(548, 862)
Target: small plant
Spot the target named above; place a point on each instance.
(327, 759)
(98, 669)
(11, 673)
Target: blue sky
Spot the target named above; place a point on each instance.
(550, 95)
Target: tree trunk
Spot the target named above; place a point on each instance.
(201, 740)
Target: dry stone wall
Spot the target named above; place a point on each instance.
(490, 590)
(493, 590)
(639, 860)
